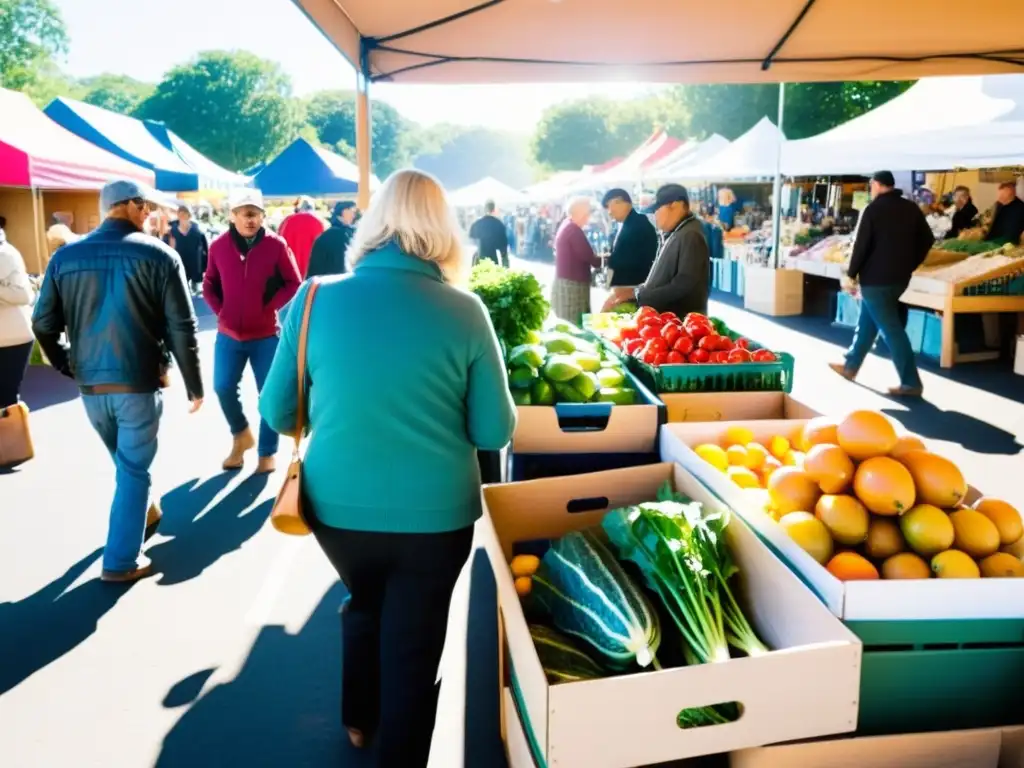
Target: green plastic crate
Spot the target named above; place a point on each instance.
(718, 377)
(940, 675)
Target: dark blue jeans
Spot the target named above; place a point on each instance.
(880, 313)
(229, 360)
(128, 426)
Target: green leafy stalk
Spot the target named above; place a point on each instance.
(514, 299)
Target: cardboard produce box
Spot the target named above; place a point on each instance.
(957, 749)
(849, 600)
(734, 406)
(774, 292)
(806, 686)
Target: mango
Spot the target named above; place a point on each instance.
(561, 368)
(611, 377)
(541, 393)
(567, 393)
(617, 395)
(521, 378)
(588, 362)
(586, 384)
(521, 397)
(527, 355)
(559, 344)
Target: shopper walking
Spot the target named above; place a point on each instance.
(491, 238)
(893, 239)
(300, 230)
(375, 437)
(574, 258)
(90, 288)
(189, 241)
(328, 256)
(249, 277)
(16, 296)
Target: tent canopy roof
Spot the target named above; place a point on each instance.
(36, 152)
(463, 41)
(487, 188)
(211, 175)
(697, 153)
(752, 155)
(630, 170)
(302, 169)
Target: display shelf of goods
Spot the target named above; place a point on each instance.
(633, 595)
(993, 266)
(574, 395)
(918, 563)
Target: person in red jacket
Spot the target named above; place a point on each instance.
(250, 275)
(300, 230)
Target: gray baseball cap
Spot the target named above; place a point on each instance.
(123, 190)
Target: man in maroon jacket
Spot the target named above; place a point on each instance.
(250, 275)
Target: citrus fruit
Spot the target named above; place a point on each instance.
(845, 517)
(938, 480)
(743, 477)
(779, 446)
(523, 585)
(737, 455)
(713, 455)
(884, 486)
(905, 565)
(1005, 517)
(770, 465)
(1001, 565)
(905, 444)
(524, 565)
(927, 529)
(884, 538)
(849, 566)
(756, 455)
(975, 534)
(793, 458)
(820, 429)
(792, 490)
(864, 434)
(954, 564)
(830, 467)
(809, 533)
(737, 435)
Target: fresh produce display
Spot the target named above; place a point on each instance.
(868, 503)
(560, 366)
(971, 268)
(514, 299)
(590, 619)
(971, 247)
(665, 339)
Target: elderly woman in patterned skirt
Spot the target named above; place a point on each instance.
(574, 258)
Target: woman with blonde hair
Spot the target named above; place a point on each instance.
(405, 383)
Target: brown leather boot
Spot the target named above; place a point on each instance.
(153, 516)
(243, 441)
(143, 568)
(267, 464)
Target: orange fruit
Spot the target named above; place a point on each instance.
(830, 467)
(523, 585)
(1005, 517)
(975, 534)
(845, 517)
(779, 447)
(820, 429)
(809, 533)
(1001, 565)
(737, 455)
(794, 459)
(865, 434)
(884, 486)
(904, 444)
(849, 566)
(954, 564)
(792, 490)
(938, 480)
(743, 477)
(884, 538)
(770, 465)
(906, 565)
(927, 529)
(756, 455)
(713, 455)
(737, 435)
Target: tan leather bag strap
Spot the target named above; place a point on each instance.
(300, 413)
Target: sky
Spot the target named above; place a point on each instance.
(144, 40)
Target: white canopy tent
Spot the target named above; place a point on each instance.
(753, 155)
(487, 188)
(634, 168)
(697, 152)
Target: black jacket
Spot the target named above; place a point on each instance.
(893, 238)
(1008, 222)
(328, 254)
(634, 250)
(121, 297)
(679, 278)
(490, 233)
(962, 219)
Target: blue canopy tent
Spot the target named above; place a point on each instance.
(302, 169)
(177, 166)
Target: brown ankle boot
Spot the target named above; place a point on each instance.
(243, 441)
(266, 465)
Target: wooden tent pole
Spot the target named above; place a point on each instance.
(363, 126)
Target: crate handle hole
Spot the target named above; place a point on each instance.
(713, 714)
(592, 504)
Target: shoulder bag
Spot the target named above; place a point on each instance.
(286, 516)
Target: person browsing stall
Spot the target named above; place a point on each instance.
(1008, 221)
(966, 212)
(574, 260)
(634, 250)
(491, 236)
(328, 256)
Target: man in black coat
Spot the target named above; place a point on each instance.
(1008, 221)
(634, 249)
(328, 254)
(893, 239)
(966, 212)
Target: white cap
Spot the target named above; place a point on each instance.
(240, 198)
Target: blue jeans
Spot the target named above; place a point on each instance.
(229, 359)
(128, 426)
(880, 312)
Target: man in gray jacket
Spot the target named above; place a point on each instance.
(678, 281)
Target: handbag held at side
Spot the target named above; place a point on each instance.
(286, 516)
(15, 438)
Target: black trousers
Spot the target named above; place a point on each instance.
(393, 632)
(13, 364)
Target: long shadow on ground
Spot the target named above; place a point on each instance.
(40, 629)
(926, 419)
(203, 535)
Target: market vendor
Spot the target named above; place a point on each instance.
(966, 211)
(1008, 221)
(679, 278)
(634, 249)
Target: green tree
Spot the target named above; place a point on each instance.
(118, 93)
(333, 115)
(459, 156)
(31, 34)
(232, 106)
(49, 82)
(575, 134)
